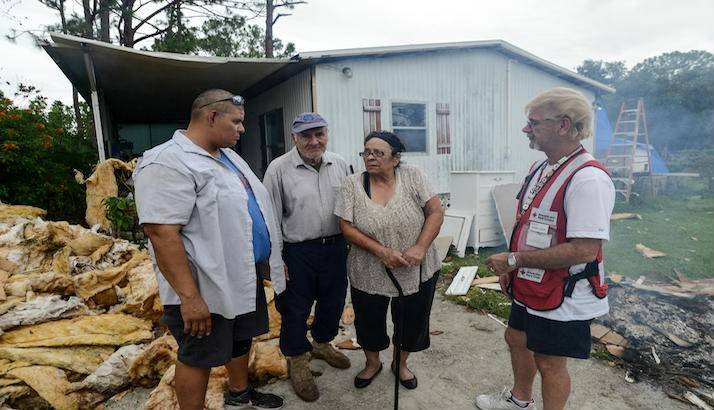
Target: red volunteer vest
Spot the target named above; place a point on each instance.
(546, 289)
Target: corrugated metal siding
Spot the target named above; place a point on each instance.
(464, 80)
(293, 96)
(486, 115)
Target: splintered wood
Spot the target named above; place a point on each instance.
(648, 252)
(348, 344)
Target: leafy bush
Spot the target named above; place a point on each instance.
(121, 212)
(39, 151)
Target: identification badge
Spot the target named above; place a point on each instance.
(538, 240)
(531, 274)
(538, 227)
(544, 216)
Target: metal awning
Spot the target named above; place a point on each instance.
(139, 86)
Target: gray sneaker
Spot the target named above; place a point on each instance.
(501, 401)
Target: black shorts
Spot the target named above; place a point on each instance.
(229, 338)
(552, 337)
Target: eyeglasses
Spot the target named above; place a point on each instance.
(533, 123)
(376, 153)
(236, 100)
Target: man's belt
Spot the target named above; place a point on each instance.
(325, 240)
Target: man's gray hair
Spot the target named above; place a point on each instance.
(208, 97)
(562, 102)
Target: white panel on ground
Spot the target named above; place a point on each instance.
(462, 281)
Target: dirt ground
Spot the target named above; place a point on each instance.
(469, 357)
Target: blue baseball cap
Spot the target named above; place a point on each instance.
(308, 121)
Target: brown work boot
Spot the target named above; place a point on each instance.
(332, 356)
(301, 378)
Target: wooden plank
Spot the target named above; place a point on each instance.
(613, 338)
(490, 286)
(598, 331)
(484, 280)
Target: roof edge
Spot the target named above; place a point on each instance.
(66, 40)
(500, 45)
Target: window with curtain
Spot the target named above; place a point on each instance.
(409, 123)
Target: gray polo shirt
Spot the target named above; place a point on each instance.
(303, 197)
(180, 183)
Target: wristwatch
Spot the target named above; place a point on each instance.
(511, 260)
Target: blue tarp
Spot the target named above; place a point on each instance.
(603, 135)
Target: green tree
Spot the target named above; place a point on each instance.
(223, 37)
(607, 72)
(678, 91)
(168, 24)
(39, 151)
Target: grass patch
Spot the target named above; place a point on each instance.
(668, 225)
(682, 228)
(483, 300)
(603, 355)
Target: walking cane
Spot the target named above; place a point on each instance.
(397, 336)
(399, 327)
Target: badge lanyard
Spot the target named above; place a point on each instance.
(544, 178)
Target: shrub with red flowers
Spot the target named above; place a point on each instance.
(39, 151)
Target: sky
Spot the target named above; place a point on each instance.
(564, 32)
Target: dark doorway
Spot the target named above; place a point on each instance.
(272, 137)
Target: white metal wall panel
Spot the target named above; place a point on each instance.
(464, 80)
(293, 96)
(486, 93)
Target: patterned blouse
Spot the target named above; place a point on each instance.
(396, 225)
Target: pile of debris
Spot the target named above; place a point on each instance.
(663, 332)
(79, 320)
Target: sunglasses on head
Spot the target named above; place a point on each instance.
(236, 100)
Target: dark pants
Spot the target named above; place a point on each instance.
(371, 318)
(317, 272)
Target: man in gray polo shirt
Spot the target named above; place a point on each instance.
(212, 235)
(303, 184)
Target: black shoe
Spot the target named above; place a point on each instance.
(252, 398)
(362, 383)
(410, 384)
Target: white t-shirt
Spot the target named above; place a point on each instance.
(589, 200)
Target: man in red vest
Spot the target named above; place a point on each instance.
(554, 270)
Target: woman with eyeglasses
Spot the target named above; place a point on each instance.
(391, 215)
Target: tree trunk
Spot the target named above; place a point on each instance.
(104, 20)
(78, 114)
(63, 18)
(269, 9)
(88, 19)
(75, 96)
(127, 16)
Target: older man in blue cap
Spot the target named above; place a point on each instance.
(303, 184)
